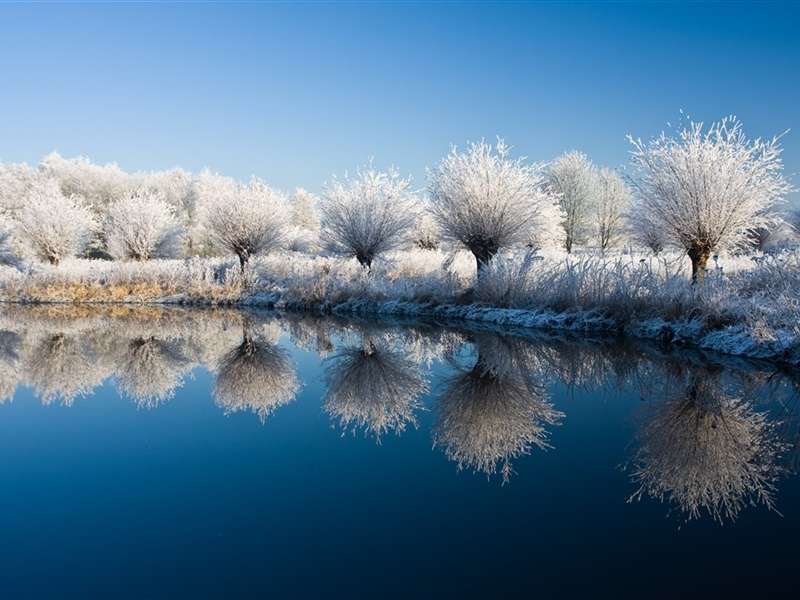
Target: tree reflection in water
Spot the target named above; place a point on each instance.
(256, 376)
(374, 389)
(707, 451)
(150, 370)
(495, 411)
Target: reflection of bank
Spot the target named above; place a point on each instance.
(496, 411)
(373, 388)
(707, 451)
(255, 376)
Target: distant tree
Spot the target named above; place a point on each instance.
(53, 225)
(367, 215)
(142, 226)
(98, 185)
(572, 177)
(247, 220)
(8, 254)
(427, 232)
(16, 181)
(205, 189)
(707, 190)
(645, 233)
(611, 201)
(304, 211)
(485, 201)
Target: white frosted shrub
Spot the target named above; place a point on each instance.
(53, 225)
(707, 189)
(485, 201)
(16, 181)
(142, 226)
(247, 220)
(367, 215)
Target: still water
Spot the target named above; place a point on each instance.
(150, 453)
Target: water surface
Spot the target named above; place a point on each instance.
(216, 453)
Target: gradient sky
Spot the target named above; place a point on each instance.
(296, 92)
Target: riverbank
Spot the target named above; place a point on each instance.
(744, 308)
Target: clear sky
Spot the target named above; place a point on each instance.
(296, 92)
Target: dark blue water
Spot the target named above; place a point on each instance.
(161, 454)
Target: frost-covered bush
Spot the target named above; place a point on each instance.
(53, 225)
(707, 189)
(305, 222)
(142, 226)
(247, 220)
(572, 178)
(485, 201)
(367, 215)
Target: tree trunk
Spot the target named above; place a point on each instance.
(699, 256)
(364, 261)
(242, 260)
(483, 254)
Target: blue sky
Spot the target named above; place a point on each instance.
(296, 92)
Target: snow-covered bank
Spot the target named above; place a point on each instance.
(745, 307)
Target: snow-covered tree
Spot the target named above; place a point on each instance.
(175, 186)
(611, 201)
(427, 232)
(304, 212)
(247, 220)
(8, 254)
(486, 201)
(53, 225)
(367, 215)
(205, 189)
(707, 189)
(98, 185)
(572, 177)
(304, 219)
(16, 181)
(645, 233)
(142, 226)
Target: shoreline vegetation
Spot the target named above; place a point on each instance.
(692, 244)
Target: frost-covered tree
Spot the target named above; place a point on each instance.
(707, 189)
(53, 225)
(305, 221)
(205, 189)
(572, 177)
(142, 226)
(304, 211)
(247, 220)
(98, 185)
(16, 181)
(175, 187)
(8, 254)
(645, 233)
(367, 215)
(611, 201)
(486, 201)
(427, 232)
(374, 389)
